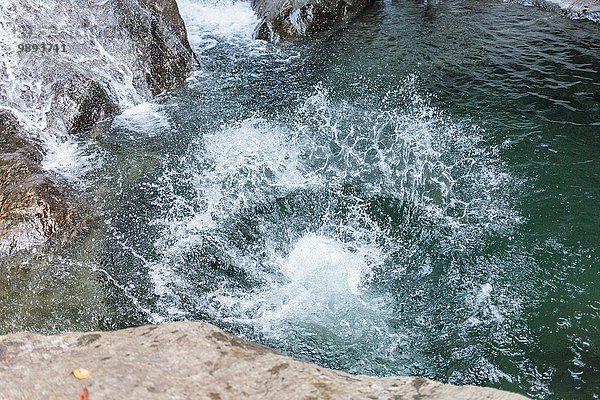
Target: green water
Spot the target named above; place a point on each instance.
(415, 193)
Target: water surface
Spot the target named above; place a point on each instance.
(415, 193)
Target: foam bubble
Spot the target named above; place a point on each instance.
(320, 272)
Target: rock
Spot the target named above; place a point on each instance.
(105, 56)
(575, 9)
(284, 19)
(186, 360)
(161, 41)
(81, 102)
(32, 206)
(108, 55)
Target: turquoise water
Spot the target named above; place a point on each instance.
(415, 193)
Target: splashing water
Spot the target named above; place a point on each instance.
(291, 229)
(365, 223)
(210, 23)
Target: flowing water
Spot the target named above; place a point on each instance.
(414, 194)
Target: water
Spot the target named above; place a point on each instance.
(413, 194)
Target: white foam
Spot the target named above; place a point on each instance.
(234, 167)
(69, 157)
(228, 170)
(321, 273)
(417, 155)
(147, 118)
(209, 22)
(413, 156)
(316, 261)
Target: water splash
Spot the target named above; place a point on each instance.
(147, 119)
(71, 158)
(293, 231)
(212, 23)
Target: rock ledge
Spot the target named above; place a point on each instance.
(191, 360)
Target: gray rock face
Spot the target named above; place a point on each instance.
(81, 102)
(160, 39)
(284, 19)
(190, 360)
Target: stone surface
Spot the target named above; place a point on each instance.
(575, 9)
(81, 102)
(160, 39)
(284, 19)
(190, 360)
(109, 55)
(32, 206)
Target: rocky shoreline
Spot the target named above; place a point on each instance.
(191, 360)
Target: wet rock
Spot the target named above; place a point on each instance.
(103, 57)
(191, 360)
(575, 9)
(284, 19)
(160, 36)
(81, 102)
(32, 206)
(68, 66)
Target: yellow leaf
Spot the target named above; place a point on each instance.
(81, 373)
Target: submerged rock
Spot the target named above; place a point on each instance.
(283, 19)
(187, 360)
(32, 206)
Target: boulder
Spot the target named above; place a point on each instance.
(97, 59)
(160, 38)
(574, 9)
(81, 102)
(190, 360)
(33, 207)
(284, 19)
